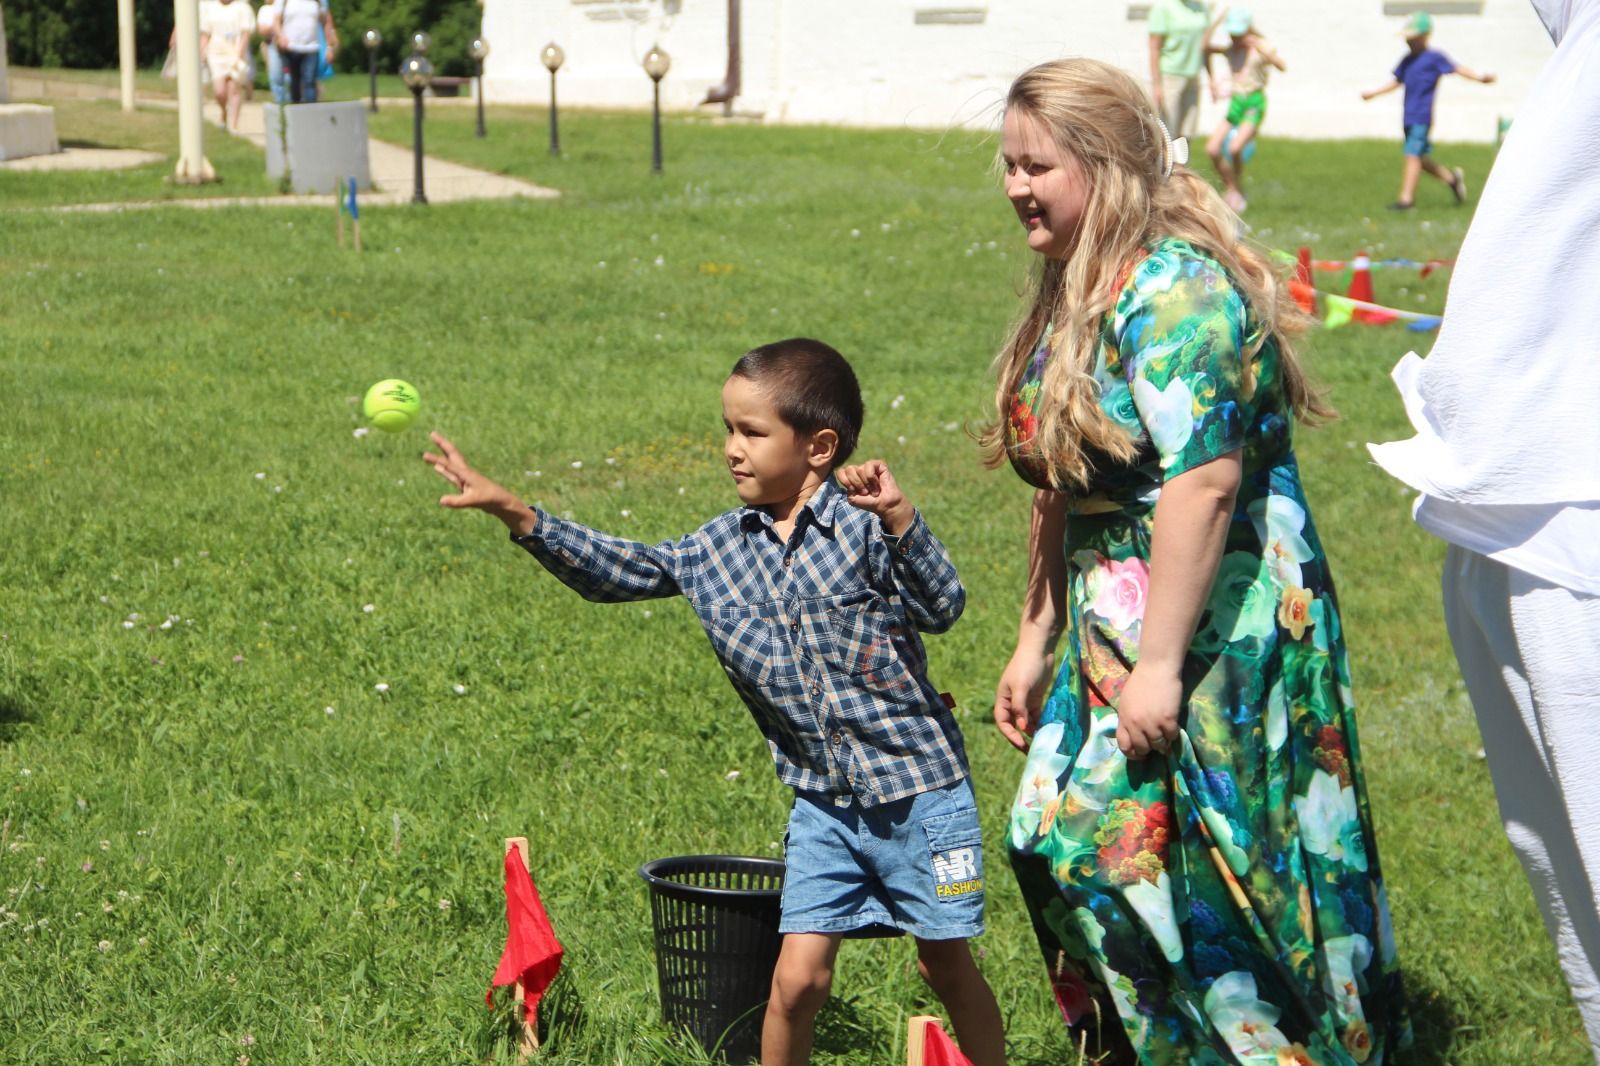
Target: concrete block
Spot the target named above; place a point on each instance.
(322, 143)
(27, 129)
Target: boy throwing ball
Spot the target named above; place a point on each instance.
(813, 593)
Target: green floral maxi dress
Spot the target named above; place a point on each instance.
(1226, 900)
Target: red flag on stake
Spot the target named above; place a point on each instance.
(533, 954)
(927, 1044)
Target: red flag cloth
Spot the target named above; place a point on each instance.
(939, 1050)
(533, 954)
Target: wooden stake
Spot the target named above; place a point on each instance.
(917, 1038)
(527, 1027)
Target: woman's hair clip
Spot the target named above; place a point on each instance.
(1177, 150)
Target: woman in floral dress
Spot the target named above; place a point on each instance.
(1192, 833)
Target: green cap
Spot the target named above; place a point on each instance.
(1418, 24)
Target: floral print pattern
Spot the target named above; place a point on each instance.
(1225, 902)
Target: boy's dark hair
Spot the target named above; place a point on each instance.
(811, 385)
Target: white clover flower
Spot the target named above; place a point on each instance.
(25, 772)
(900, 439)
(611, 460)
(577, 464)
(626, 513)
(261, 475)
(855, 233)
(459, 690)
(166, 625)
(648, 613)
(329, 711)
(444, 905)
(127, 625)
(731, 775)
(381, 686)
(601, 264)
(359, 432)
(104, 946)
(895, 403)
(277, 488)
(661, 260)
(367, 608)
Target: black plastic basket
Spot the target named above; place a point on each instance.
(716, 930)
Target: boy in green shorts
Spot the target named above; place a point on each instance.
(1249, 59)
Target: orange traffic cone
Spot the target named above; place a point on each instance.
(1361, 289)
(1300, 286)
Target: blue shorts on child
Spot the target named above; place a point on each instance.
(1417, 143)
(909, 866)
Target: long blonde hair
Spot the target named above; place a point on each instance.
(1100, 117)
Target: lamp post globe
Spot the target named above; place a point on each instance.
(417, 73)
(420, 43)
(552, 57)
(373, 40)
(656, 64)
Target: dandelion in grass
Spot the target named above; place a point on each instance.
(103, 947)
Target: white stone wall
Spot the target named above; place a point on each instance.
(942, 63)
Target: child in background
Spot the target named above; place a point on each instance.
(1419, 72)
(1249, 59)
(813, 593)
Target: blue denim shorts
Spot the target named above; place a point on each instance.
(1417, 141)
(912, 866)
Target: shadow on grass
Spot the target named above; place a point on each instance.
(1435, 1022)
(14, 717)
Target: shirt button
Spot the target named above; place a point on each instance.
(816, 688)
(836, 739)
(788, 560)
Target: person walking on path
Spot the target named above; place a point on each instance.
(1191, 833)
(1419, 71)
(225, 30)
(296, 36)
(1507, 458)
(1177, 54)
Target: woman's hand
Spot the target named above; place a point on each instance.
(1147, 712)
(1019, 697)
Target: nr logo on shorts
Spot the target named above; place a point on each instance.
(955, 873)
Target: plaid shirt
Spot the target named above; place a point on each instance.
(818, 634)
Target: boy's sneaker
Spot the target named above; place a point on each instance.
(1401, 205)
(1458, 184)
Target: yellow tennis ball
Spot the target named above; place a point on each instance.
(391, 405)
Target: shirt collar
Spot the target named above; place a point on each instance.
(822, 510)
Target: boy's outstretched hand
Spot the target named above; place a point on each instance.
(871, 487)
(475, 490)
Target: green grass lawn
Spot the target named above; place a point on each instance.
(220, 839)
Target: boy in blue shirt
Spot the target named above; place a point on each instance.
(1419, 72)
(813, 593)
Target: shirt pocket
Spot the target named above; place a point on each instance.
(861, 638)
(748, 647)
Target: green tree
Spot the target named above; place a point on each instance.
(83, 33)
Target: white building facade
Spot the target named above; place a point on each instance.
(937, 65)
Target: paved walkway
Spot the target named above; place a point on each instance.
(390, 165)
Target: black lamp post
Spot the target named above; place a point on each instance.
(656, 64)
(373, 40)
(417, 73)
(479, 50)
(553, 57)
